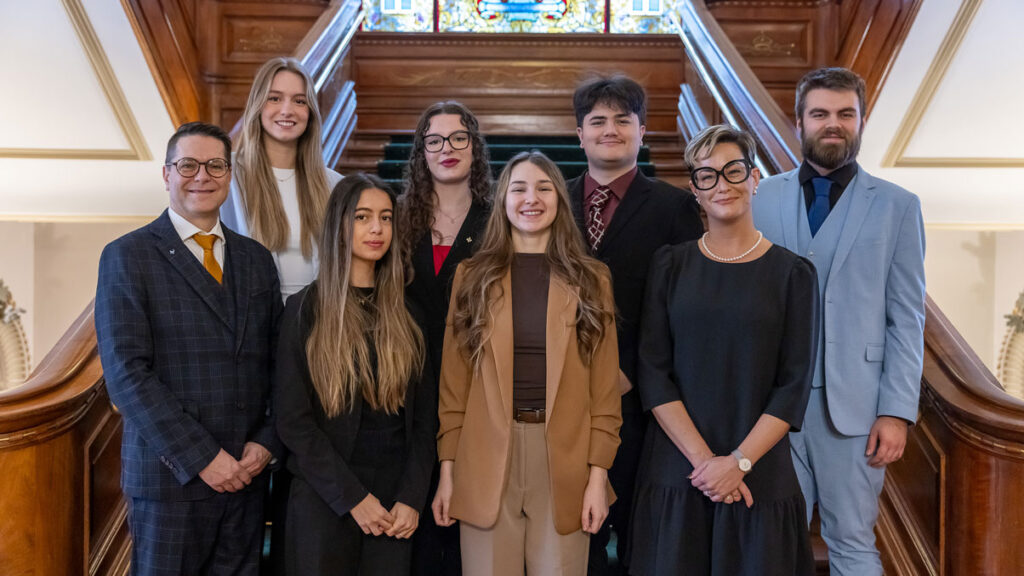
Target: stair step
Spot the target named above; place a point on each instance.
(392, 169)
(504, 151)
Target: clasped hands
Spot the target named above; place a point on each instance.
(373, 518)
(721, 480)
(225, 474)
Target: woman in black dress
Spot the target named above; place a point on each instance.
(355, 403)
(726, 358)
(445, 205)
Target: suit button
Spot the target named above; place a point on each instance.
(811, 253)
(240, 405)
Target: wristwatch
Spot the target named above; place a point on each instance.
(742, 460)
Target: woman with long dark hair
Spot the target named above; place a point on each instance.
(355, 403)
(445, 205)
(529, 402)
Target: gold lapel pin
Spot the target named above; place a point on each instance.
(469, 239)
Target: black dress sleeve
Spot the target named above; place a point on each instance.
(316, 460)
(656, 378)
(798, 352)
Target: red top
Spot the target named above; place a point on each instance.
(440, 253)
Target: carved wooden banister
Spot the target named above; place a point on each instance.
(738, 95)
(60, 448)
(61, 510)
(954, 504)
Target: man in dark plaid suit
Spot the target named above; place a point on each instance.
(186, 319)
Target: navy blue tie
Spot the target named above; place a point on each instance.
(819, 208)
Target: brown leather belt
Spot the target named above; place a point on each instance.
(530, 415)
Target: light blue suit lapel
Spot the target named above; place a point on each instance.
(862, 193)
(790, 206)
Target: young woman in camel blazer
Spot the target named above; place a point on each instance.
(529, 405)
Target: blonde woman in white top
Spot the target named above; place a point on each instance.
(280, 184)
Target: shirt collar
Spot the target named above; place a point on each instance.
(186, 229)
(619, 186)
(840, 176)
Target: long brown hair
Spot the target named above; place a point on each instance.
(337, 350)
(264, 209)
(418, 198)
(566, 256)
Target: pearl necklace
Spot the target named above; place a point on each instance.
(704, 244)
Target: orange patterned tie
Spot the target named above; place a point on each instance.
(206, 241)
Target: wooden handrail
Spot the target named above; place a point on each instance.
(953, 501)
(739, 95)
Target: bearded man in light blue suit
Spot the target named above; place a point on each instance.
(865, 236)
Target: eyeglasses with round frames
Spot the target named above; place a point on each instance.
(735, 172)
(459, 140)
(189, 167)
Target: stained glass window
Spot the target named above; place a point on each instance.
(538, 16)
(399, 15)
(511, 16)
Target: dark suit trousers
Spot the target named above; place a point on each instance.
(217, 536)
(623, 478)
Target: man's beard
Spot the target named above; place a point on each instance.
(830, 156)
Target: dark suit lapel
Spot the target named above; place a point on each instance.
(576, 200)
(236, 260)
(636, 196)
(470, 235)
(182, 260)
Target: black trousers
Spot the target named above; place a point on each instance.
(623, 479)
(435, 549)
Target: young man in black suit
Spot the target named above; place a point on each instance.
(624, 216)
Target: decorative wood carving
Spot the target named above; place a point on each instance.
(204, 53)
(514, 84)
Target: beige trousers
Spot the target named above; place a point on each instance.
(524, 537)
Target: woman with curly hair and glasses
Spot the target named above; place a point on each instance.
(445, 205)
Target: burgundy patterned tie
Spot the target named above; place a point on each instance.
(595, 222)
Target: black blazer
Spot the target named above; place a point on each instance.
(651, 215)
(431, 293)
(320, 447)
(186, 361)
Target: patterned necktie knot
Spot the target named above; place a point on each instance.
(595, 220)
(206, 242)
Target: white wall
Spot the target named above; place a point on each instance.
(973, 214)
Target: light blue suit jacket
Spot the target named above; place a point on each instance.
(873, 305)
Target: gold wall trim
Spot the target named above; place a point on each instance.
(896, 156)
(137, 148)
(976, 226)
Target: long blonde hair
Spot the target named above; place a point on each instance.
(566, 256)
(338, 353)
(264, 209)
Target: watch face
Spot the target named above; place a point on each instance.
(745, 465)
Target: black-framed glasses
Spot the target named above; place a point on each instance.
(189, 167)
(459, 140)
(735, 172)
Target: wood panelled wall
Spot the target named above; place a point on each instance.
(204, 53)
(514, 84)
(61, 510)
(782, 40)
